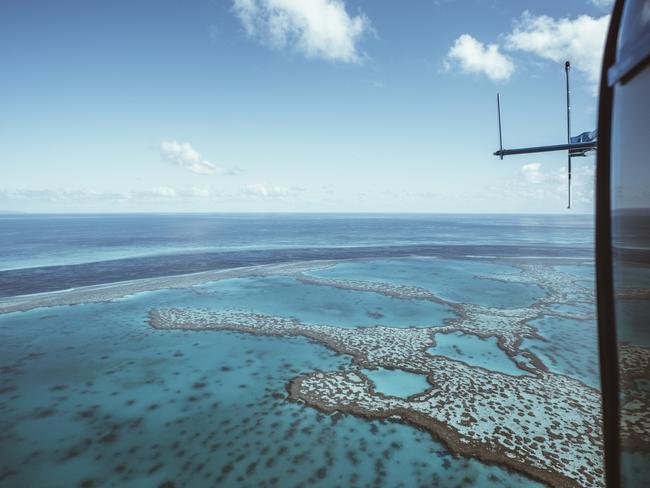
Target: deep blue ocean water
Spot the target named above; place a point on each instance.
(91, 395)
(45, 253)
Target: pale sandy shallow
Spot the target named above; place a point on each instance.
(113, 291)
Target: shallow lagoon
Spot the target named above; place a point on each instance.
(570, 347)
(453, 280)
(315, 304)
(475, 351)
(585, 274)
(397, 382)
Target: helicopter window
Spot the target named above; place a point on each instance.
(631, 249)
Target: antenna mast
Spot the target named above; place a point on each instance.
(575, 146)
(567, 67)
(499, 116)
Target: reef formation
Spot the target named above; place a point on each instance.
(540, 423)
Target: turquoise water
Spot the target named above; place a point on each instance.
(315, 304)
(452, 280)
(92, 396)
(579, 308)
(396, 382)
(570, 347)
(585, 273)
(475, 351)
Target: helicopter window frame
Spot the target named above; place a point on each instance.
(636, 55)
(607, 343)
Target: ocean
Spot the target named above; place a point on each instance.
(298, 350)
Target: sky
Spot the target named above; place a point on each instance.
(294, 105)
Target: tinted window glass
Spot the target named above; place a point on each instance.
(631, 251)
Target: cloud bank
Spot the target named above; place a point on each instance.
(262, 190)
(542, 183)
(580, 40)
(255, 191)
(314, 28)
(185, 156)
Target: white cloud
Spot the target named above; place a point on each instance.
(195, 192)
(85, 195)
(604, 4)
(314, 28)
(541, 184)
(60, 195)
(175, 193)
(159, 192)
(262, 190)
(580, 40)
(185, 156)
(531, 173)
(164, 194)
(472, 56)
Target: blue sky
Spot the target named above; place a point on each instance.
(292, 105)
